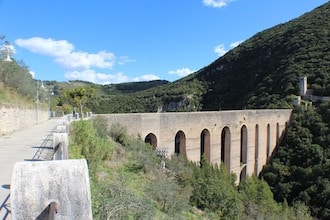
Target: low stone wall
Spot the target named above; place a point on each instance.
(13, 119)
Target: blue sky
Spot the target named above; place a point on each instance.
(114, 41)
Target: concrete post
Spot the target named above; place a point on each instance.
(60, 146)
(62, 186)
(61, 128)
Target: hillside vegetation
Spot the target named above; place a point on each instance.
(264, 72)
(300, 169)
(128, 182)
(17, 88)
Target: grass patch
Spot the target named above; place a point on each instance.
(11, 98)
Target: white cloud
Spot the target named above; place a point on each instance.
(84, 60)
(220, 50)
(104, 78)
(65, 54)
(98, 78)
(125, 59)
(216, 3)
(235, 44)
(146, 77)
(49, 47)
(181, 72)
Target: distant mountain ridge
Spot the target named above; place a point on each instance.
(262, 72)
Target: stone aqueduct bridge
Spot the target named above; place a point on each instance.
(243, 140)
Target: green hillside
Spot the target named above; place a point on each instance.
(262, 72)
(132, 87)
(17, 88)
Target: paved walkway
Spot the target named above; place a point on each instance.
(19, 146)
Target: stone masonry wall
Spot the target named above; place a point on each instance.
(13, 119)
(264, 129)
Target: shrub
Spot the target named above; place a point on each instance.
(118, 133)
(257, 198)
(118, 202)
(87, 142)
(101, 126)
(214, 190)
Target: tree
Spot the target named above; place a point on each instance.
(77, 97)
(214, 190)
(299, 171)
(6, 49)
(257, 198)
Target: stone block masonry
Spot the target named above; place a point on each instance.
(242, 140)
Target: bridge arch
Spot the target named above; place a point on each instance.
(152, 140)
(268, 141)
(277, 134)
(205, 145)
(225, 147)
(256, 149)
(244, 145)
(180, 143)
(243, 151)
(243, 174)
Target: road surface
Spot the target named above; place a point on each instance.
(19, 146)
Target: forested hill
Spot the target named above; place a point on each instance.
(264, 71)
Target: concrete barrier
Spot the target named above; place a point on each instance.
(61, 128)
(60, 146)
(51, 190)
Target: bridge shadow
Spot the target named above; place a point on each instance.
(33, 160)
(43, 152)
(6, 186)
(49, 212)
(42, 147)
